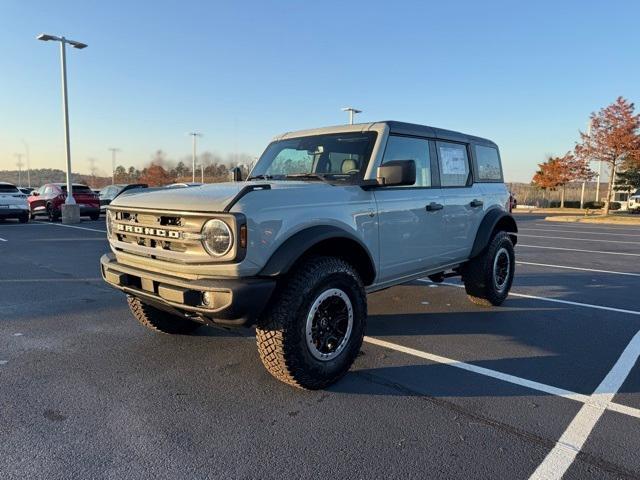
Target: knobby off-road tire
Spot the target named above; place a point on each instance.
(321, 291)
(159, 320)
(488, 278)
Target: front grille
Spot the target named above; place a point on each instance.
(173, 236)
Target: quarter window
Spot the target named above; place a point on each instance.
(454, 164)
(488, 163)
(408, 148)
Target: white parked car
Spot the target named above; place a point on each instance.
(633, 204)
(13, 203)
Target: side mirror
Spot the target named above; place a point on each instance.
(396, 173)
(236, 174)
(35, 194)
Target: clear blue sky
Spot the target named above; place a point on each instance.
(525, 74)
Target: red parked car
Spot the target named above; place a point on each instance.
(48, 199)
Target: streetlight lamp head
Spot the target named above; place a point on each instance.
(46, 37)
(78, 45)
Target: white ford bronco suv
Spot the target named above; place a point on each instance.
(325, 217)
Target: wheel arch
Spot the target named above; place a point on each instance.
(321, 240)
(495, 220)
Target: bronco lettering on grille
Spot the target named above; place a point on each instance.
(150, 231)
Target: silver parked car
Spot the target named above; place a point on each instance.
(325, 217)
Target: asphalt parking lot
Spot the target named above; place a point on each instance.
(547, 384)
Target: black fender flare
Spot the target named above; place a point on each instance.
(288, 253)
(493, 219)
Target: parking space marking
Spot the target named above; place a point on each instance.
(548, 299)
(600, 226)
(595, 270)
(70, 226)
(579, 250)
(3, 240)
(577, 239)
(578, 231)
(560, 458)
(594, 402)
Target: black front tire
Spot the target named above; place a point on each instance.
(159, 320)
(282, 334)
(488, 277)
(23, 218)
(52, 215)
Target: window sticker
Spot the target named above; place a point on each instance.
(453, 161)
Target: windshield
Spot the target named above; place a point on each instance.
(333, 157)
(8, 189)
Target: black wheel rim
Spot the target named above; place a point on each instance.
(501, 269)
(329, 324)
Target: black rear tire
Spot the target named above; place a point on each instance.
(292, 336)
(488, 277)
(94, 216)
(159, 320)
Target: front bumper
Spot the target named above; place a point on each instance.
(13, 212)
(236, 302)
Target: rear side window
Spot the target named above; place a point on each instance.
(488, 164)
(408, 148)
(454, 164)
(8, 189)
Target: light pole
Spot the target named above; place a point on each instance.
(352, 111)
(73, 213)
(26, 148)
(19, 164)
(194, 135)
(113, 164)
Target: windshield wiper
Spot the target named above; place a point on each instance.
(308, 176)
(261, 177)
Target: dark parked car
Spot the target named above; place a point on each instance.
(48, 200)
(108, 194)
(26, 190)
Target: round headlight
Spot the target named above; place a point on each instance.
(217, 238)
(109, 223)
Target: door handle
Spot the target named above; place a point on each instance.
(433, 206)
(476, 203)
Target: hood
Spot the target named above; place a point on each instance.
(213, 197)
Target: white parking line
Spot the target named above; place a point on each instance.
(578, 231)
(595, 402)
(2, 240)
(560, 458)
(577, 239)
(601, 227)
(578, 268)
(553, 300)
(71, 226)
(579, 250)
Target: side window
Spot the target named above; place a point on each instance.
(48, 190)
(454, 164)
(408, 148)
(488, 164)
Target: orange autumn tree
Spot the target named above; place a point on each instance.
(155, 176)
(558, 171)
(614, 138)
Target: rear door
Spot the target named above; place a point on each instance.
(463, 199)
(410, 217)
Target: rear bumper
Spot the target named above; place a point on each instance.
(87, 210)
(236, 302)
(13, 212)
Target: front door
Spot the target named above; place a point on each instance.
(410, 217)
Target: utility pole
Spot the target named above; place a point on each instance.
(352, 111)
(19, 164)
(70, 211)
(113, 164)
(195, 135)
(92, 169)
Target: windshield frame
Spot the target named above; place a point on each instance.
(268, 156)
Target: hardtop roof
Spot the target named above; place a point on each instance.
(394, 126)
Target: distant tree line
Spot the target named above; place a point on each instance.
(159, 170)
